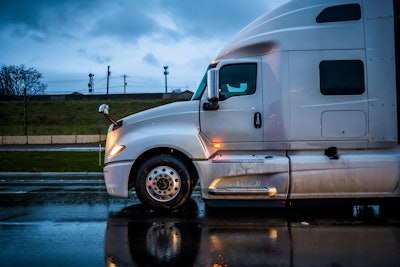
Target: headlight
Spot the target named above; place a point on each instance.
(116, 150)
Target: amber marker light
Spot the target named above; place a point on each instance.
(217, 145)
(116, 150)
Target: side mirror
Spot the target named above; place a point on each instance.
(212, 90)
(104, 109)
(212, 85)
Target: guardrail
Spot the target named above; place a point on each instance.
(51, 139)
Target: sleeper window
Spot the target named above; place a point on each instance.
(342, 77)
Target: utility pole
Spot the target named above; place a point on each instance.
(25, 113)
(91, 83)
(108, 78)
(166, 73)
(125, 84)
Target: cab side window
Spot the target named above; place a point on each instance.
(237, 80)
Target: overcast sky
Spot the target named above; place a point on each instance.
(68, 39)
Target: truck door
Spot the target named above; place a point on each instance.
(243, 169)
(238, 119)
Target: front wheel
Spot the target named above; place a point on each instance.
(163, 182)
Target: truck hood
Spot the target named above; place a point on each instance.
(184, 111)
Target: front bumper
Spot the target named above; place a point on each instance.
(116, 177)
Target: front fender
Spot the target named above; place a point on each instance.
(183, 137)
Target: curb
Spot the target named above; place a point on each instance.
(40, 174)
(51, 139)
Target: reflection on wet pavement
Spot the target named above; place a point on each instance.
(76, 223)
(196, 236)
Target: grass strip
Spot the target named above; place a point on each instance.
(67, 117)
(50, 161)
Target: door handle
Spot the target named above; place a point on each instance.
(257, 120)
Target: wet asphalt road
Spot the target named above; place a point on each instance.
(71, 221)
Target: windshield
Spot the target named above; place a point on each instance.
(203, 84)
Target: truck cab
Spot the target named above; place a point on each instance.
(301, 106)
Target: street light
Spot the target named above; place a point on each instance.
(166, 73)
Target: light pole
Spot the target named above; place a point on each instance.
(166, 73)
(125, 84)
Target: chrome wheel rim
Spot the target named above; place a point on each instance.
(163, 183)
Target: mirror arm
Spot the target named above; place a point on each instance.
(103, 109)
(116, 123)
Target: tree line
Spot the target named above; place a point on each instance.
(20, 81)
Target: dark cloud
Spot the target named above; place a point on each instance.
(151, 59)
(42, 19)
(210, 18)
(126, 20)
(94, 56)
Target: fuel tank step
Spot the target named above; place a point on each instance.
(270, 191)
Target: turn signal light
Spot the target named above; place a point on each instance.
(217, 145)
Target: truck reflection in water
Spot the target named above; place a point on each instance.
(136, 237)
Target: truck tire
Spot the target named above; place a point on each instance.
(163, 182)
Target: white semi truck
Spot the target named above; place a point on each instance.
(300, 107)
